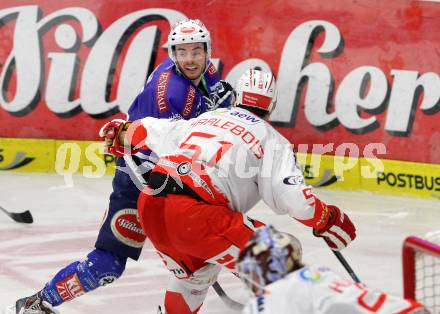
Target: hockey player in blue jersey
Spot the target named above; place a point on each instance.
(183, 86)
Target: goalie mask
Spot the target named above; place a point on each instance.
(268, 256)
(256, 89)
(188, 32)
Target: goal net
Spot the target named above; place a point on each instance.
(421, 270)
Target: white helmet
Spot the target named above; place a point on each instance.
(187, 32)
(256, 89)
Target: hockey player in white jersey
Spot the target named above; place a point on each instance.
(211, 171)
(271, 267)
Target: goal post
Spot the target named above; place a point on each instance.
(421, 272)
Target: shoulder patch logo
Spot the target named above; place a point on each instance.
(161, 91)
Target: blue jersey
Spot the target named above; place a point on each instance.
(166, 94)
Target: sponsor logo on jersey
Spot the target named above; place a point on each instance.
(189, 102)
(244, 117)
(70, 288)
(308, 275)
(107, 279)
(294, 180)
(20, 160)
(127, 229)
(161, 91)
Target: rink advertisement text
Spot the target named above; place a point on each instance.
(409, 180)
(360, 76)
(352, 172)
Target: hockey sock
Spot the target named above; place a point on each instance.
(98, 269)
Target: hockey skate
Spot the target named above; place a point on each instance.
(34, 305)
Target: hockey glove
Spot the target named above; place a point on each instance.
(113, 134)
(119, 138)
(339, 230)
(223, 96)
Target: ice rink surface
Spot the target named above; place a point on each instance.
(67, 219)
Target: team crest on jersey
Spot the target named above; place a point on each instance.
(161, 91)
(127, 229)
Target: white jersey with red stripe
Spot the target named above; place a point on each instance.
(243, 159)
(318, 290)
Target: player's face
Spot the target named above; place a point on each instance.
(191, 59)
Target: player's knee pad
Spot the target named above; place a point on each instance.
(98, 269)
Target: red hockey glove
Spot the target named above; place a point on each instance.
(339, 230)
(113, 134)
(122, 137)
